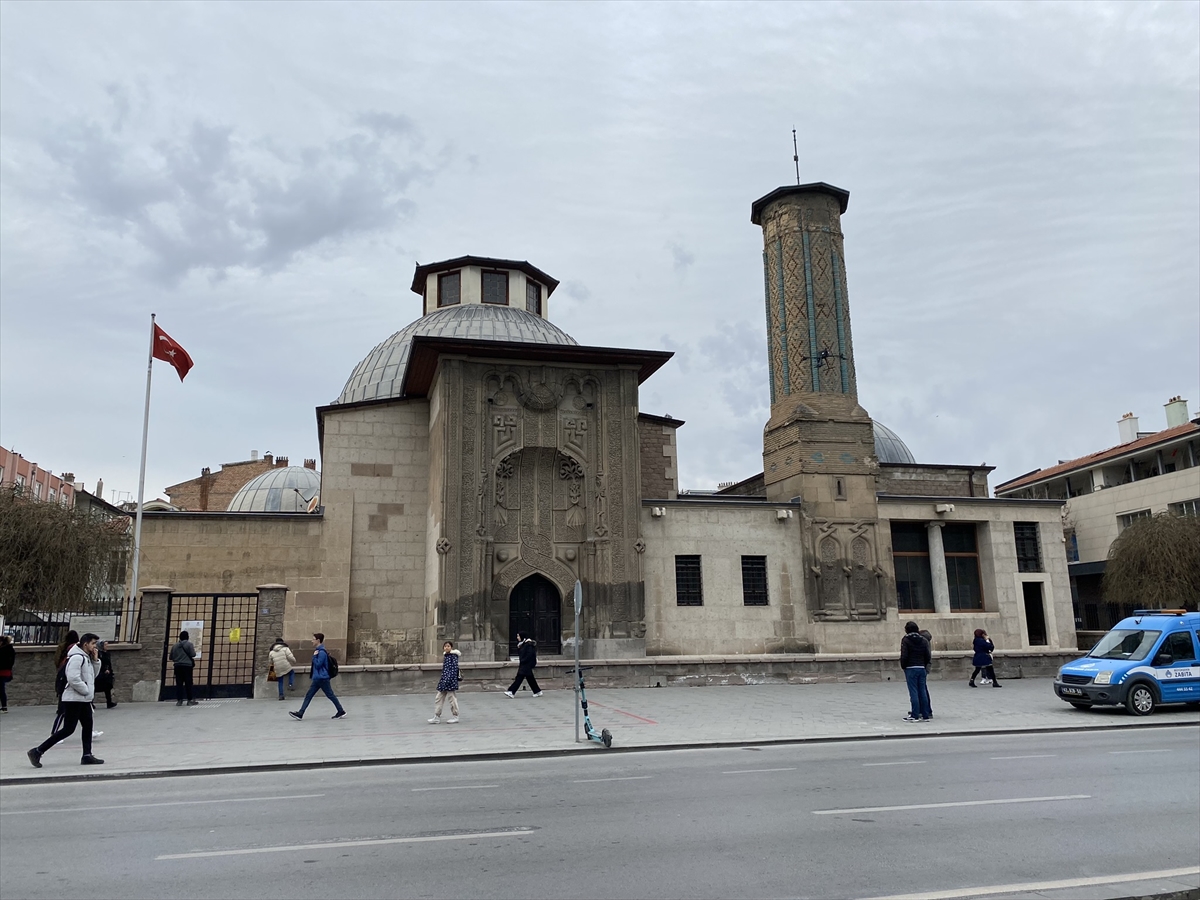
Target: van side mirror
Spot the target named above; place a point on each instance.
(1163, 658)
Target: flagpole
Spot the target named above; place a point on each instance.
(137, 528)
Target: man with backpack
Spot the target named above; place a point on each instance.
(324, 668)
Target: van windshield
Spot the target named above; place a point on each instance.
(1125, 643)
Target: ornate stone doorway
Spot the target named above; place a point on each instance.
(535, 608)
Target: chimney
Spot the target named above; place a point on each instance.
(1177, 412)
(68, 476)
(268, 459)
(100, 488)
(253, 456)
(1127, 427)
(281, 463)
(310, 464)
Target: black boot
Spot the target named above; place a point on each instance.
(89, 760)
(972, 683)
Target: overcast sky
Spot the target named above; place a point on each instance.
(1021, 241)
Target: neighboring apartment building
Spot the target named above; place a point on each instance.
(1146, 474)
(32, 480)
(213, 492)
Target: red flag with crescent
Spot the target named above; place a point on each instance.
(166, 349)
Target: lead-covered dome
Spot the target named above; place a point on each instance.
(888, 446)
(381, 374)
(286, 489)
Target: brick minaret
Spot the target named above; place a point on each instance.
(819, 443)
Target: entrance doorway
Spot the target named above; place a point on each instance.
(535, 608)
(223, 628)
(1035, 613)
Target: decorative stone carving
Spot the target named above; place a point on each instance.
(639, 545)
(444, 546)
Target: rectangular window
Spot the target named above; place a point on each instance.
(754, 580)
(533, 297)
(688, 591)
(962, 566)
(450, 289)
(53, 495)
(495, 288)
(1126, 519)
(37, 490)
(1029, 551)
(910, 556)
(1185, 508)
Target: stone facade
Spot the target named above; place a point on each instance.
(659, 456)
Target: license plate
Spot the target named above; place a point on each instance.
(1074, 692)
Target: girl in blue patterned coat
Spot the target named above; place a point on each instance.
(447, 686)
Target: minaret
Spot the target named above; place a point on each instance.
(819, 443)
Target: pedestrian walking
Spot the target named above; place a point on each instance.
(526, 663)
(915, 659)
(183, 658)
(982, 660)
(447, 685)
(70, 639)
(8, 659)
(106, 679)
(324, 667)
(283, 663)
(83, 662)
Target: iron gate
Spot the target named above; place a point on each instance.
(225, 661)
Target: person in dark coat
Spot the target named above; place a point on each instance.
(447, 685)
(915, 659)
(526, 663)
(183, 658)
(105, 680)
(982, 660)
(8, 659)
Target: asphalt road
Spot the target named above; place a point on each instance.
(830, 820)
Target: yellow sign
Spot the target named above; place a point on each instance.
(235, 635)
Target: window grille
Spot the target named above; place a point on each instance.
(495, 288)
(754, 580)
(688, 585)
(1029, 551)
(450, 289)
(533, 297)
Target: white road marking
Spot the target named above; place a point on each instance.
(1031, 886)
(901, 762)
(57, 810)
(627, 778)
(455, 787)
(338, 845)
(1030, 756)
(862, 809)
(1118, 752)
(755, 771)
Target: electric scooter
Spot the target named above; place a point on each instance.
(600, 737)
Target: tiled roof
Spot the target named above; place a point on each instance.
(1086, 462)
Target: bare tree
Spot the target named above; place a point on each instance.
(1155, 563)
(53, 558)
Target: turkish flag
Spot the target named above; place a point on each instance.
(167, 350)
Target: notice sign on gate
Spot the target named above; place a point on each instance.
(195, 630)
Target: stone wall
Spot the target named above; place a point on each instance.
(659, 457)
(908, 480)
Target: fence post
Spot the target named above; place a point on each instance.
(146, 672)
(271, 599)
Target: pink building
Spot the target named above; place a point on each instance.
(34, 481)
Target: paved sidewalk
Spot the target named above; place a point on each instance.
(160, 738)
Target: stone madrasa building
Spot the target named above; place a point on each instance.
(479, 461)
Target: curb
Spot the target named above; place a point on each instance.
(583, 747)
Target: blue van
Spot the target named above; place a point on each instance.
(1150, 658)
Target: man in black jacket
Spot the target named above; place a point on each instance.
(526, 662)
(915, 658)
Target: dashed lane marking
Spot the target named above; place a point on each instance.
(57, 810)
(1034, 886)
(866, 809)
(339, 845)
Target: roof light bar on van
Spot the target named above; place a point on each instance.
(1160, 612)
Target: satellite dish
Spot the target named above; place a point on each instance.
(314, 503)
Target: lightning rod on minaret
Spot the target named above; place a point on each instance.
(796, 155)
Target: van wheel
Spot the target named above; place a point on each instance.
(1082, 705)
(1140, 701)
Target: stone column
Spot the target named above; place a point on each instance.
(271, 599)
(937, 568)
(146, 673)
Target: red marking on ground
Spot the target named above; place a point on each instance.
(623, 712)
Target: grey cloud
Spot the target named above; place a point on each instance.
(212, 200)
(682, 257)
(576, 290)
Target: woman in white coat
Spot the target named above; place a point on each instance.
(83, 662)
(284, 663)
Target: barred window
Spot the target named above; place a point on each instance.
(962, 566)
(910, 556)
(533, 297)
(449, 289)
(688, 590)
(754, 580)
(495, 288)
(1029, 551)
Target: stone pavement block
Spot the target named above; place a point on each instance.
(160, 737)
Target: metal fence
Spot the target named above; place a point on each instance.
(44, 627)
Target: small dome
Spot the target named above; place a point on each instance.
(888, 446)
(381, 374)
(286, 489)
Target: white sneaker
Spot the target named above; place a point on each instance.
(96, 734)
(508, 694)
(435, 721)
(538, 694)
(452, 720)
